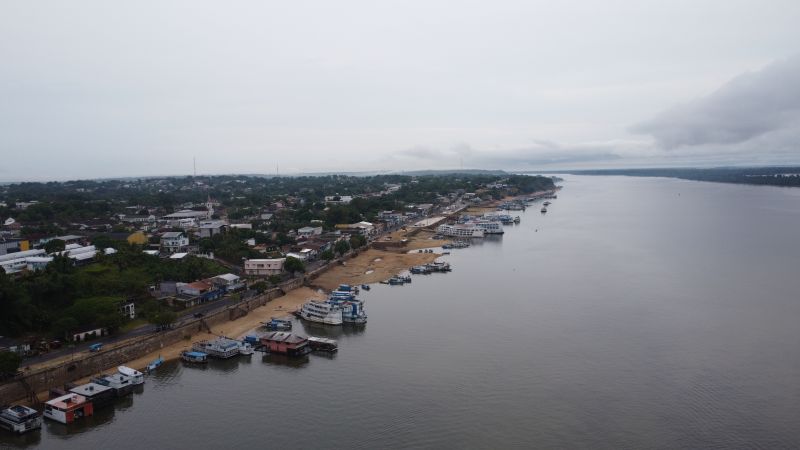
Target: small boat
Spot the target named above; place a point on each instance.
(136, 376)
(546, 203)
(194, 357)
(20, 419)
(278, 325)
(323, 344)
(544, 209)
(516, 219)
(246, 349)
(365, 287)
(155, 364)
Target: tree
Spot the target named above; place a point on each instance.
(259, 287)
(342, 247)
(357, 241)
(164, 318)
(9, 363)
(293, 265)
(274, 279)
(327, 255)
(54, 245)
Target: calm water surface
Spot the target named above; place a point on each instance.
(637, 313)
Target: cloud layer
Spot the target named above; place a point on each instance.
(752, 105)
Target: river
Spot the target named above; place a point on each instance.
(636, 313)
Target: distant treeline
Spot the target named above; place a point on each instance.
(772, 176)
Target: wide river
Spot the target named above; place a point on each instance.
(637, 313)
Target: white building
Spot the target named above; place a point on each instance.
(309, 231)
(264, 267)
(174, 242)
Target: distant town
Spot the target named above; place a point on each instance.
(82, 260)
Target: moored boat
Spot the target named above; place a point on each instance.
(544, 209)
(321, 312)
(194, 357)
(155, 364)
(20, 419)
(286, 343)
(220, 347)
(136, 376)
(122, 384)
(278, 325)
(97, 394)
(68, 408)
(246, 349)
(323, 344)
(365, 287)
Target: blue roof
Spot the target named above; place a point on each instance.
(196, 354)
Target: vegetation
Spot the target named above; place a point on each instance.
(9, 364)
(293, 265)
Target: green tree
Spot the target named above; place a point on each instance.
(164, 318)
(293, 265)
(327, 255)
(9, 363)
(341, 247)
(54, 245)
(357, 241)
(259, 287)
(274, 279)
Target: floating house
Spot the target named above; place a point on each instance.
(122, 384)
(20, 419)
(97, 394)
(218, 348)
(68, 408)
(286, 343)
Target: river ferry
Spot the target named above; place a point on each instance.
(460, 230)
(322, 312)
(20, 419)
(489, 227)
(221, 347)
(68, 408)
(353, 311)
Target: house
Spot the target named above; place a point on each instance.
(174, 242)
(128, 310)
(242, 226)
(338, 199)
(14, 346)
(196, 289)
(137, 219)
(228, 281)
(211, 228)
(309, 231)
(264, 267)
(88, 334)
(11, 245)
(286, 343)
(362, 228)
(302, 256)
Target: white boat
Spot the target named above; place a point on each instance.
(246, 349)
(322, 312)
(460, 230)
(136, 376)
(20, 419)
(489, 226)
(220, 347)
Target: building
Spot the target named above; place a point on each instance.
(174, 242)
(228, 281)
(11, 245)
(338, 199)
(14, 346)
(128, 310)
(362, 228)
(264, 267)
(286, 343)
(306, 232)
(137, 238)
(211, 228)
(196, 289)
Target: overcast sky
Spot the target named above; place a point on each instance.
(105, 89)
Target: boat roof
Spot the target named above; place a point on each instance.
(65, 401)
(322, 340)
(89, 389)
(196, 354)
(125, 370)
(285, 336)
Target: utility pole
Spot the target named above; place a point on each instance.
(194, 164)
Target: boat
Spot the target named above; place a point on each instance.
(544, 209)
(220, 347)
(286, 343)
(97, 394)
(439, 266)
(278, 325)
(420, 270)
(516, 219)
(547, 203)
(353, 311)
(489, 227)
(365, 287)
(321, 312)
(460, 230)
(136, 376)
(68, 408)
(20, 419)
(155, 364)
(320, 344)
(246, 349)
(396, 280)
(122, 384)
(194, 357)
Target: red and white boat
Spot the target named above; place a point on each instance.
(67, 408)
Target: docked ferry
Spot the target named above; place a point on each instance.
(20, 419)
(321, 344)
(489, 226)
(322, 312)
(221, 347)
(460, 230)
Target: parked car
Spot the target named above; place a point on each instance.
(96, 347)
(198, 315)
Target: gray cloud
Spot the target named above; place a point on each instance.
(749, 106)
